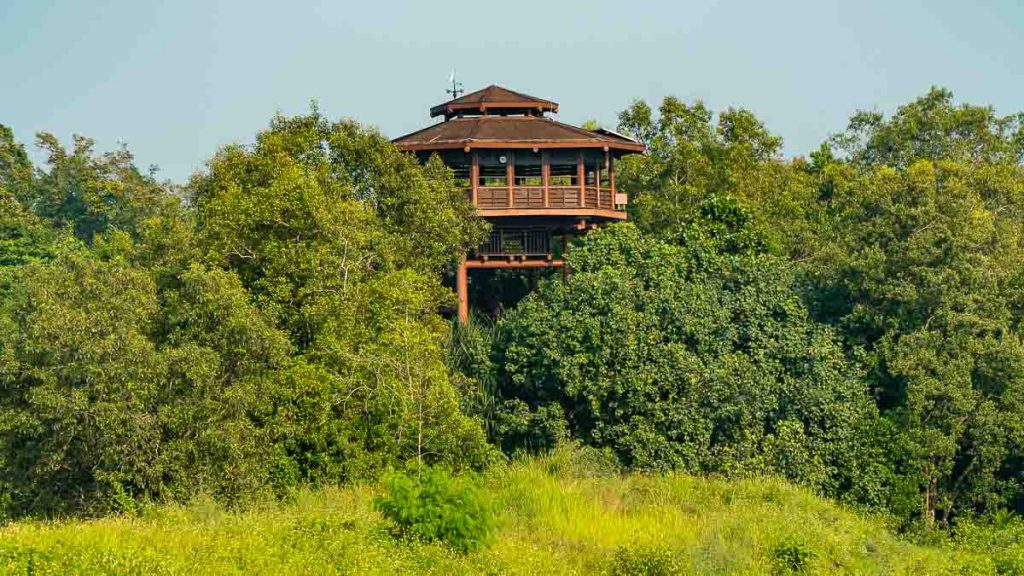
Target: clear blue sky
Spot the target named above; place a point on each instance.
(178, 79)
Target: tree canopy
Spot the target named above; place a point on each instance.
(678, 360)
(851, 320)
(281, 326)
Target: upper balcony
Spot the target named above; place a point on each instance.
(515, 162)
(560, 182)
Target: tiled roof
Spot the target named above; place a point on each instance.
(511, 131)
(495, 98)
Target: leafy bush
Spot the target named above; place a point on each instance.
(1002, 536)
(438, 506)
(574, 460)
(790, 557)
(644, 561)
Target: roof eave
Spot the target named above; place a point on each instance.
(453, 109)
(516, 144)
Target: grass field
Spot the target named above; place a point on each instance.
(553, 519)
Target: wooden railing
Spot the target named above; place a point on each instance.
(532, 197)
(515, 242)
(529, 196)
(564, 196)
(489, 198)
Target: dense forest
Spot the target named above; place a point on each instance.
(850, 321)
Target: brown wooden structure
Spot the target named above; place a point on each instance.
(536, 180)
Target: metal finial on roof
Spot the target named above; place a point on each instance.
(456, 88)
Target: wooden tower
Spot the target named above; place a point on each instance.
(537, 181)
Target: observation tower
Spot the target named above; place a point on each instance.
(539, 182)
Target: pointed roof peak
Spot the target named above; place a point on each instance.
(495, 99)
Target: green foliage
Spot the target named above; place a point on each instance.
(905, 234)
(922, 273)
(548, 524)
(340, 237)
(433, 505)
(934, 128)
(23, 236)
(91, 194)
(469, 359)
(715, 181)
(114, 392)
(676, 361)
(16, 171)
(1002, 535)
(790, 557)
(79, 374)
(282, 329)
(852, 322)
(644, 561)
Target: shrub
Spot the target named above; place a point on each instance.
(790, 557)
(1000, 536)
(437, 506)
(644, 561)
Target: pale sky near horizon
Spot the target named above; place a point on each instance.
(177, 80)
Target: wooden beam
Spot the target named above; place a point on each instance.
(545, 176)
(495, 104)
(611, 177)
(491, 264)
(570, 212)
(507, 144)
(474, 174)
(510, 176)
(608, 171)
(582, 178)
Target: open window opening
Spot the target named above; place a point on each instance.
(527, 169)
(564, 168)
(493, 168)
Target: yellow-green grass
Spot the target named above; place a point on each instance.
(552, 520)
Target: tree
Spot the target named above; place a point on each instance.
(714, 181)
(934, 128)
(282, 328)
(93, 193)
(16, 171)
(316, 207)
(79, 374)
(922, 272)
(115, 393)
(342, 238)
(23, 236)
(676, 359)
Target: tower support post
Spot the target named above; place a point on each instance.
(462, 291)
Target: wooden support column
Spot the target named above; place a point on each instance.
(462, 291)
(545, 176)
(474, 175)
(581, 176)
(510, 175)
(611, 177)
(608, 171)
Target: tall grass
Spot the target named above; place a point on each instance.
(561, 514)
